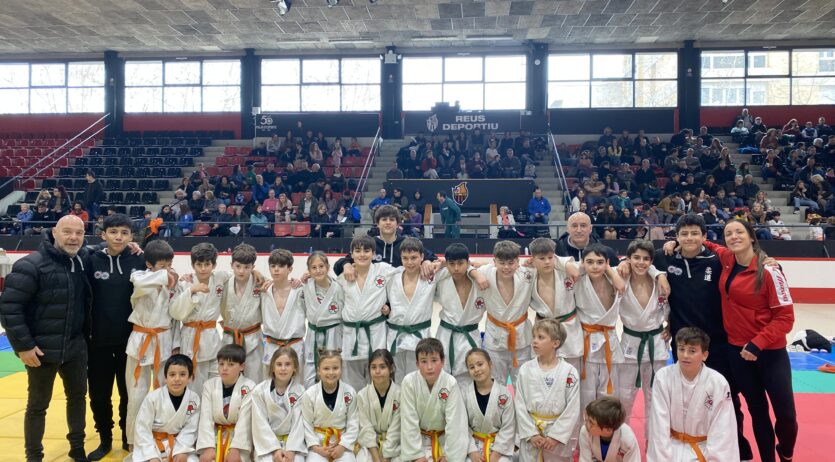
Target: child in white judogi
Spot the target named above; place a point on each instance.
(462, 309)
(507, 335)
(490, 411)
(692, 416)
(166, 426)
(329, 413)
(276, 411)
(225, 415)
(379, 412)
(281, 310)
(364, 326)
(547, 399)
(605, 437)
(152, 339)
(597, 307)
(411, 300)
(643, 313)
(198, 307)
(323, 301)
(241, 310)
(431, 405)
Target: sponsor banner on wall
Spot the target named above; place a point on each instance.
(344, 124)
(451, 121)
(470, 195)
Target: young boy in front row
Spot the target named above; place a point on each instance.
(166, 426)
(431, 405)
(411, 299)
(151, 342)
(692, 416)
(547, 399)
(225, 413)
(605, 437)
(282, 310)
(241, 310)
(198, 307)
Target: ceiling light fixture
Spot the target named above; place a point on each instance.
(280, 7)
(351, 42)
(445, 38)
(332, 3)
(488, 38)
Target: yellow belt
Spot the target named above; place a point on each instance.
(693, 441)
(224, 438)
(282, 439)
(328, 433)
(381, 438)
(435, 435)
(487, 439)
(541, 420)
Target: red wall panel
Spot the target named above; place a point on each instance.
(773, 116)
(38, 125)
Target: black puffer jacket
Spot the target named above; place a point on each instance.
(38, 309)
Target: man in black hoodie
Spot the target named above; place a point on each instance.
(578, 237)
(109, 275)
(93, 195)
(45, 310)
(387, 218)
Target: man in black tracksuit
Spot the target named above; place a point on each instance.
(695, 301)
(109, 275)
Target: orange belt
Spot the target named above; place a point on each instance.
(435, 435)
(224, 438)
(487, 439)
(160, 438)
(150, 335)
(693, 441)
(282, 343)
(510, 327)
(198, 326)
(589, 329)
(239, 334)
(328, 433)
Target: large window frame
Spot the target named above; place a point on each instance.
(590, 77)
(755, 81)
(343, 90)
(488, 91)
(204, 87)
(72, 94)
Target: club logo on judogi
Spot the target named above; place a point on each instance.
(528, 277)
(170, 294)
(479, 303)
(395, 405)
(709, 402)
(503, 400)
(292, 398)
(219, 290)
(256, 292)
(443, 394)
(570, 381)
(333, 308)
(348, 398)
(244, 391)
(569, 284)
(380, 281)
(192, 408)
(103, 275)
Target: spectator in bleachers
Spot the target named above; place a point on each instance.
(626, 178)
(332, 203)
(724, 173)
(507, 224)
(418, 201)
(179, 199)
(736, 191)
(701, 201)
(612, 186)
(380, 200)
(259, 224)
(429, 166)
(320, 222)
(196, 204)
(399, 200)
(354, 148)
(671, 208)
(93, 194)
(692, 163)
(510, 165)
(22, 219)
(642, 150)
(808, 133)
(221, 221)
(79, 211)
(682, 138)
(274, 145)
(315, 154)
(615, 151)
(606, 139)
(43, 196)
(342, 219)
(269, 173)
(447, 163)
(659, 150)
(821, 190)
(338, 182)
(761, 199)
(671, 162)
(224, 191)
(307, 207)
(651, 194)
(628, 222)
(303, 177)
(645, 175)
(724, 203)
(337, 153)
(205, 187)
(745, 118)
(211, 204)
(823, 129)
(605, 217)
(750, 188)
(394, 173)
(412, 222)
(770, 141)
(169, 221)
(185, 222)
(539, 208)
(476, 167)
(285, 211)
(710, 187)
(595, 190)
(237, 179)
(60, 203)
(185, 185)
(578, 199)
(792, 128)
(260, 190)
(270, 204)
(622, 201)
(707, 138)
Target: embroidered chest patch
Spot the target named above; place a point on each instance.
(218, 291)
(333, 308)
(380, 281)
(709, 402)
(479, 303)
(244, 391)
(293, 399)
(443, 394)
(192, 408)
(348, 398)
(571, 380)
(503, 401)
(395, 406)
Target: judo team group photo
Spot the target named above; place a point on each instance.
(341, 363)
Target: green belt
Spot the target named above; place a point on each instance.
(646, 338)
(413, 329)
(316, 343)
(464, 330)
(366, 326)
(561, 318)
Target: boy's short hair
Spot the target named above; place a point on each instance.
(552, 328)
(691, 219)
(429, 346)
(364, 242)
(411, 244)
(233, 353)
(607, 412)
(506, 250)
(157, 251)
(387, 211)
(693, 336)
(598, 249)
(117, 220)
(204, 251)
(179, 360)
(640, 244)
(542, 246)
(457, 252)
(281, 257)
(244, 254)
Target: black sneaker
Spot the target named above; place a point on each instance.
(78, 455)
(125, 446)
(780, 455)
(104, 448)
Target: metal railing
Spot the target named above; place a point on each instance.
(366, 169)
(85, 134)
(566, 195)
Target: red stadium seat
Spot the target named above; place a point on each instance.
(301, 229)
(18, 162)
(21, 152)
(328, 171)
(3, 172)
(225, 171)
(76, 153)
(222, 161)
(282, 229)
(212, 171)
(36, 153)
(230, 151)
(662, 181)
(201, 229)
(244, 151)
(296, 198)
(366, 151)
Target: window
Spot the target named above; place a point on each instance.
(312, 85)
(475, 82)
(767, 77)
(613, 80)
(183, 86)
(52, 88)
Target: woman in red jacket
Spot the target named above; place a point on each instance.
(758, 313)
